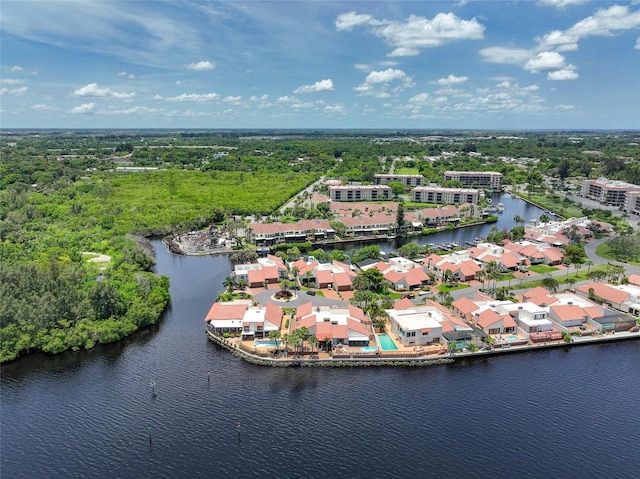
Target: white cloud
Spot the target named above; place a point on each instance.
(346, 21)
(195, 97)
(16, 68)
(201, 66)
(385, 76)
(130, 76)
(43, 107)
(377, 83)
(606, 21)
(232, 99)
(409, 37)
(545, 61)
(11, 81)
(14, 91)
(452, 80)
(637, 47)
(545, 55)
(136, 110)
(561, 3)
(319, 86)
(505, 55)
(337, 108)
(94, 90)
(84, 108)
(568, 73)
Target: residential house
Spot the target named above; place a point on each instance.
(241, 317)
(347, 325)
(621, 297)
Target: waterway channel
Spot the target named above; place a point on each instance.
(570, 413)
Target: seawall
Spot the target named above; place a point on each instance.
(413, 361)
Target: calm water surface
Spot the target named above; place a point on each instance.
(571, 413)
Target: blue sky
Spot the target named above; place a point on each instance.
(557, 64)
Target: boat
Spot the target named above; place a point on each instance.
(500, 208)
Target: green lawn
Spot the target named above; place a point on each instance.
(605, 252)
(542, 268)
(555, 204)
(407, 171)
(448, 288)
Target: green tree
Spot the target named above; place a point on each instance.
(550, 283)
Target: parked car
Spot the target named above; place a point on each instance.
(311, 292)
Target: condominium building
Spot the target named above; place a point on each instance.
(406, 180)
(478, 179)
(360, 192)
(632, 202)
(437, 194)
(608, 192)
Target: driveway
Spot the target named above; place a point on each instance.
(301, 298)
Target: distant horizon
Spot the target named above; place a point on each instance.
(345, 129)
(291, 64)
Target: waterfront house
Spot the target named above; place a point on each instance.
(467, 305)
(417, 325)
(495, 324)
(335, 325)
(269, 270)
(340, 208)
(303, 230)
(621, 297)
(241, 317)
(369, 224)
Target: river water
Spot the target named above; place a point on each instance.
(513, 207)
(569, 413)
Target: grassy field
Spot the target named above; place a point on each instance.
(555, 203)
(605, 252)
(407, 171)
(542, 268)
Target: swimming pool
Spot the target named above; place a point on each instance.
(266, 343)
(368, 349)
(511, 337)
(386, 343)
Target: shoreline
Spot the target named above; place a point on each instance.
(419, 361)
(176, 248)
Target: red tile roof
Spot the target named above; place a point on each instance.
(226, 311)
(605, 291)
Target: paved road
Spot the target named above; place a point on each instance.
(292, 202)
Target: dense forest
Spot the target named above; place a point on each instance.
(64, 194)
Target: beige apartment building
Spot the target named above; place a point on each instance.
(437, 194)
(477, 179)
(360, 193)
(406, 180)
(610, 192)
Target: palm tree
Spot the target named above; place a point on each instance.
(589, 264)
(275, 335)
(517, 219)
(313, 342)
(295, 271)
(544, 218)
(229, 283)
